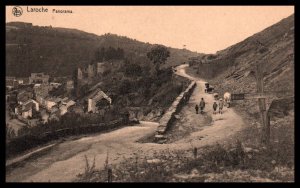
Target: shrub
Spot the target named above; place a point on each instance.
(133, 70)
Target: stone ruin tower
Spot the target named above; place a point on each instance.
(91, 71)
(79, 74)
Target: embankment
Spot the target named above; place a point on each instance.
(169, 117)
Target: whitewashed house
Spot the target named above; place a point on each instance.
(94, 98)
(50, 102)
(65, 105)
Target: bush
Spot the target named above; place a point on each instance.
(106, 72)
(125, 87)
(133, 70)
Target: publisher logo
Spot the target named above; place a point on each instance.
(17, 11)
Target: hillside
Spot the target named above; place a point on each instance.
(128, 78)
(231, 69)
(58, 51)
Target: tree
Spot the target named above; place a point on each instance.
(120, 53)
(75, 81)
(84, 89)
(125, 87)
(132, 69)
(158, 55)
(110, 54)
(99, 55)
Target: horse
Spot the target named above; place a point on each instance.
(227, 99)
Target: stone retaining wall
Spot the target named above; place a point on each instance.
(169, 117)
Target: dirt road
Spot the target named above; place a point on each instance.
(66, 160)
(207, 128)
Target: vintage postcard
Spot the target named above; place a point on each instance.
(150, 93)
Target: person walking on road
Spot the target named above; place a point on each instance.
(197, 108)
(215, 106)
(202, 105)
(221, 104)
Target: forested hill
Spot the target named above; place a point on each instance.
(58, 51)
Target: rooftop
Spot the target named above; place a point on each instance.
(26, 107)
(23, 98)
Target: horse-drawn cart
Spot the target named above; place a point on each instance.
(208, 88)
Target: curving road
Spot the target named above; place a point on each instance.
(64, 161)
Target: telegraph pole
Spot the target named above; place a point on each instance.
(261, 96)
(262, 101)
(262, 104)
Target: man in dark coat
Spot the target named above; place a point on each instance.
(202, 105)
(196, 108)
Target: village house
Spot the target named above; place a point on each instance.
(65, 105)
(41, 91)
(24, 95)
(64, 101)
(44, 116)
(10, 78)
(78, 109)
(20, 81)
(94, 98)
(41, 100)
(54, 108)
(36, 105)
(25, 81)
(55, 84)
(39, 78)
(25, 109)
(11, 82)
(26, 112)
(70, 85)
(100, 68)
(50, 102)
(54, 114)
(11, 97)
(36, 86)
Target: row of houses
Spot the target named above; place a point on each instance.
(13, 82)
(35, 78)
(49, 106)
(39, 78)
(26, 109)
(34, 99)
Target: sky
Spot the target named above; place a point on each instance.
(205, 29)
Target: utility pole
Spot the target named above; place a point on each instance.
(262, 104)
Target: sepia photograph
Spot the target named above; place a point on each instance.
(149, 93)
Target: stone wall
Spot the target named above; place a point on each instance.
(169, 117)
